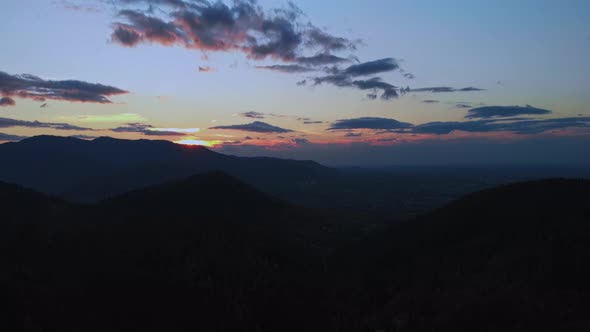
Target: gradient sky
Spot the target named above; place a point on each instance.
(514, 53)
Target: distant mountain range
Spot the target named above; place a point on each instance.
(90, 171)
(210, 253)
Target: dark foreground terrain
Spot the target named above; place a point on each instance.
(209, 253)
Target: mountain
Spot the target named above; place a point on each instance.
(512, 258)
(88, 171)
(211, 253)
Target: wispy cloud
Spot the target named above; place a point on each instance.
(9, 123)
(369, 123)
(515, 125)
(443, 89)
(287, 68)
(36, 88)
(256, 126)
(150, 130)
(252, 115)
(504, 111)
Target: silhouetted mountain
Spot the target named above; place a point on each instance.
(513, 258)
(211, 253)
(88, 171)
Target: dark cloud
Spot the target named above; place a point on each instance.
(9, 123)
(256, 126)
(373, 83)
(7, 101)
(516, 125)
(33, 87)
(430, 101)
(389, 94)
(287, 68)
(302, 83)
(387, 139)
(253, 115)
(353, 135)
(319, 38)
(241, 26)
(10, 138)
(409, 76)
(442, 89)
(460, 105)
(504, 111)
(145, 129)
(312, 122)
(301, 141)
(321, 59)
(369, 123)
(345, 78)
(372, 67)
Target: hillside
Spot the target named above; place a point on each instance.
(211, 253)
(506, 259)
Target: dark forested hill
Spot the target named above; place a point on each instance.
(211, 253)
(510, 258)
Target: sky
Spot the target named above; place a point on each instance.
(342, 82)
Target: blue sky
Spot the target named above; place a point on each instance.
(516, 53)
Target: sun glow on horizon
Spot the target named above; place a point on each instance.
(208, 144)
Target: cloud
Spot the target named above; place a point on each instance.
(256, 126)
(242, 26)
(286, 68)
(319, 38)
(442, 89)
(504, 111)
(353, 135)
(516, 125)
(322, 59)
(10, 138)
(7, 101)
(372, 67)
(312, 122)
(301, 141)
(369, 123)
(44, 105)
(9, 123)
(150, 130)
(430, 101)
(252, 115)
(460, 105)
(373, 83)
(38, 89)
(345, 78)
